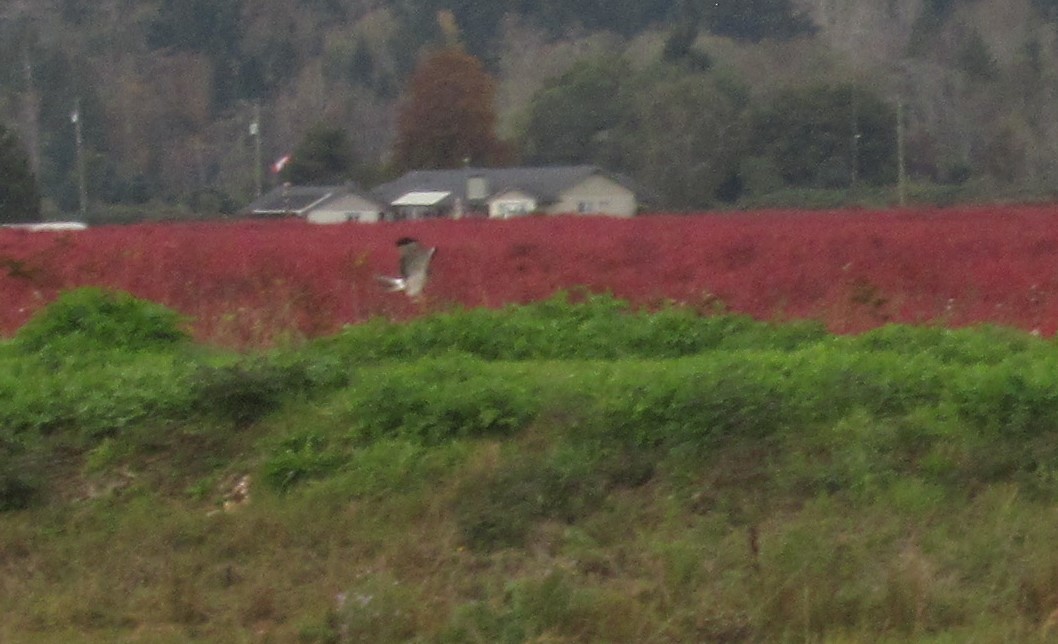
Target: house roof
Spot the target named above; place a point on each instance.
(427, 198)
(545, 183)
(298, 200)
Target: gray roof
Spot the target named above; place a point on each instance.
(287, 199)
(544, 183)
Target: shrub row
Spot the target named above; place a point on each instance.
(490, 374)
(756, 378)
(596, 328)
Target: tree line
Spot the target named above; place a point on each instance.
(706, 108)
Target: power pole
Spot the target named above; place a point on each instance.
(32, 112)
(255, 132)
(901, 170)
(82, 190)
(854, 173)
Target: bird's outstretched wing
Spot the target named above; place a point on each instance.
(392, 284)
(415, 267)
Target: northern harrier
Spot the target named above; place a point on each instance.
(414, 268)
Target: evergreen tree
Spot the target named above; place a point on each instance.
(827, 137)
(755, 20)
(1049, 8)
(19, 199)
(323, 156)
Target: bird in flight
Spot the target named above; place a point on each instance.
(414, 268)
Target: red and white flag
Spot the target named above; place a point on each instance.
(280, 163)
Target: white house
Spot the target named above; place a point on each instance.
(318, 204)
(509, 192)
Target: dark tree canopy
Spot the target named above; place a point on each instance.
(755, 20)
(323, 156)
(575, 118)
(19, 199)
(1049, 8)
(828, 137)
(209, 27)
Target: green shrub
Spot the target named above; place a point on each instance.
(696, 400)
(438, 400)
(983, 344)
(92, 399)
(302, 457)
(1015, 399)
(248, 389)
(93, 319)
(597, 327)
(379, 468)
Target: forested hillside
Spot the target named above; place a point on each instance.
(702, 102)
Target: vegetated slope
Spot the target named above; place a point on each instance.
(579, 472)
(256, 283)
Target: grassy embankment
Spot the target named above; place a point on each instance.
(558, 472)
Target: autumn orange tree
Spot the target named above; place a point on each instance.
(447, 115)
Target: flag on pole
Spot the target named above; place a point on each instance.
(280, 163)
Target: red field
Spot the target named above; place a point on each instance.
(253, 283)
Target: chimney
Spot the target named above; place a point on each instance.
(477, 188)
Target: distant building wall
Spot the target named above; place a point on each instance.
(596, 195)
(349, 207)
(512, 203)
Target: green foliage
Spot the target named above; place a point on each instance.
(92, 399)
(827, 136)
(323, 156)
(932, 17)
(245, 391)
(576, 117)
(301, 457)
(984, 344)
(598, 327)
(438, 400)
(1049, 8)
(90, 319)
(19, 198)
(689, 138)
(755, 20)
(207, 27)
(709, 479)
(679, 45)
(975, 58)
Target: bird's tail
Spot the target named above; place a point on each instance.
(392, 283)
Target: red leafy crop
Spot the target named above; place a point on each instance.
(253, 283)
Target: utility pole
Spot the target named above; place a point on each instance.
(82, 190)
(901, 170)
(854, 171)
(32, 113)
(255, 132)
